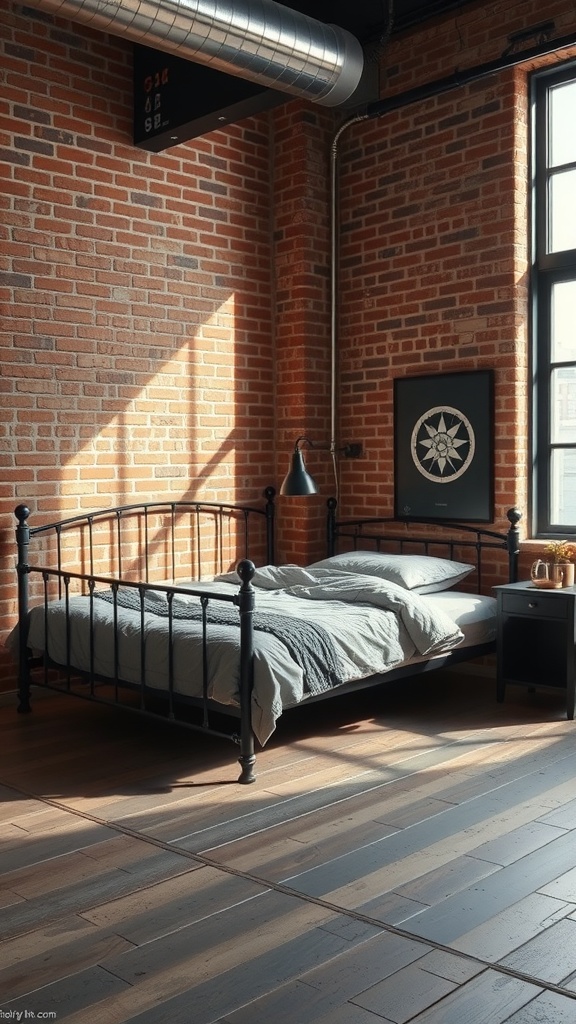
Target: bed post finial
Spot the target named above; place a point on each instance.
(23, 541)
(21, 512)
(246, 570)
(247, 759)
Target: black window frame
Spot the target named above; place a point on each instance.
(548, 268)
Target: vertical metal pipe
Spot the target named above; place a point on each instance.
(334, 269)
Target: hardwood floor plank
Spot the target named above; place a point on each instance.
(494, 939)
(76, 993)
(217, 942)
(75, 834)
(564, 816)
(459, 914)
(452, 876)
(518, 842)
(216, 968)
(289, 985)
(75, 898)
(345, 1014)
(8, 898)
(126, 852)
(277, 861)
(563, 887)
(391, 801)
(334, 876)
(490, 998)
(308, 799)
(450, 966)
(405, 994)
(58, 962)
(549, 1008)
(550, 955)
(172, 904)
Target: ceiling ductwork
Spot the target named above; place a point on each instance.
(258, 40)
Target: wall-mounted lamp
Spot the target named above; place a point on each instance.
(298, 481)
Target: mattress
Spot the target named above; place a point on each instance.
(368, 638)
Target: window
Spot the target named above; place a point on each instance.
(554, 291)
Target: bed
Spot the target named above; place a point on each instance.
(178, 610)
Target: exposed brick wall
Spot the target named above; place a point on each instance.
(434, 244)
(436, 288)
(166, 317)
(134, 293)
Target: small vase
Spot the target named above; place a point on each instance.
(545, 576)
(567, 569)
(558, 573)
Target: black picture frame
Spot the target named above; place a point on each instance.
(444, 446)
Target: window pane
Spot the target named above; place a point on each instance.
(554, 278)
(562, 333)
(563, 403)
(562, 117)
(563, 211)
(563, 488)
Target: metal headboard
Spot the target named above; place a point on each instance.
(407, 535)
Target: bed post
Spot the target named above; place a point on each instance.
(331, 527)
(23, 540)
(270, 494)
(247, 759)
(513, 543)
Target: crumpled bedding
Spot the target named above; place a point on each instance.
(430, 630)
(374, 625)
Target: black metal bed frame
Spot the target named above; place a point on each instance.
(136, 518)
(405, 536)
(377, 533)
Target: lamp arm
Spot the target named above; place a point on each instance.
(303, 439)
(351, 451)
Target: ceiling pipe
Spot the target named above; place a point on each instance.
(259, 40)
(468, 75)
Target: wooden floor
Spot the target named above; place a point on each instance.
(403, 857)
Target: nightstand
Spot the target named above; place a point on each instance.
(536, 633)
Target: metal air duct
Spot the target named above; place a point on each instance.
(259, 40)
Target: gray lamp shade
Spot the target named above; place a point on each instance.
(298, 481)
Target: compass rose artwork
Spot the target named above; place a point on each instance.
(443, 444)
(443, 449)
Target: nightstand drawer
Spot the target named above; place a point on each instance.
(543, 605)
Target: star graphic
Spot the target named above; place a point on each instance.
(443, 444)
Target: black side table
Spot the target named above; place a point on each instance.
(536, 635)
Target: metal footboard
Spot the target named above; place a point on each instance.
(127, 540)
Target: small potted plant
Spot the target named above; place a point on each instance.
(562, 552)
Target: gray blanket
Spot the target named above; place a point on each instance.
(309, 644)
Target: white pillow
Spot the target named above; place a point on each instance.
(423, 574)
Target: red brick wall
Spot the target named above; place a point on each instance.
(434, 245)
(302, 137)
(166, 318)
(134, 293)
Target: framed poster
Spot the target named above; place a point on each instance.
(443, 447)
